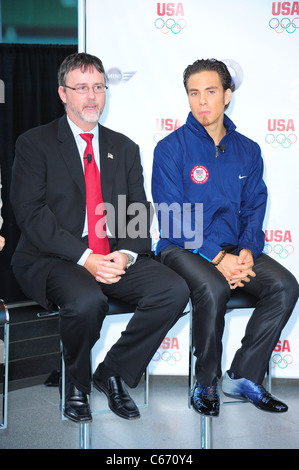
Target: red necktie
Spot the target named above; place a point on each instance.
(97, 236)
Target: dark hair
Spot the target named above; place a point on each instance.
(80, 60)
(210, 65)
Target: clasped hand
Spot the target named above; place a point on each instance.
(107, 269)
(237, 269)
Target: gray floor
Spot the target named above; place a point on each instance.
(167, 423)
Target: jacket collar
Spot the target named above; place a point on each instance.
(199, 129)
(70, 154)
(109, 157)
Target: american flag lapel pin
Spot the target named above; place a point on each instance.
(110, 155)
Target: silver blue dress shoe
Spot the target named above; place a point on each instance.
(244, 389)
(205, 400)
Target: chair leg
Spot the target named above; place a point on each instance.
(85, 436)
(206, 432)
(62, 391)
(3, 425)
(206, 421)
(269, 377)
(146, 386)
(85, 428)
(191, 357)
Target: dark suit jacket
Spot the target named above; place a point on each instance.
(48, 199)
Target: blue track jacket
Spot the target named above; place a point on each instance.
(228, 180)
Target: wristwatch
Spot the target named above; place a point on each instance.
(131, 260)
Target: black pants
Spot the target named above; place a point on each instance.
(274, 286)
(159, 293)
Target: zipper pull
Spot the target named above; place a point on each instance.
(221, 148)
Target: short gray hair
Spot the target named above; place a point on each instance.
(80, 60)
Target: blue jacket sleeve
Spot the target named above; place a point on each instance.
(253, 207)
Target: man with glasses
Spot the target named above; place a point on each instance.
(76, 189)
(207, 161)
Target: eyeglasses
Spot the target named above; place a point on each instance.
(84, 89)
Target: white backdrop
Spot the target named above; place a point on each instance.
(145, 47)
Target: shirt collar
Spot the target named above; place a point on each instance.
(77, 131)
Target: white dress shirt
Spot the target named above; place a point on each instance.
(81, 144)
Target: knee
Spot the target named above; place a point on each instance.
(97, 301)
(286, 289)
(179, 291)
(212, 296)
(88, 309)
(177, 286)
(172, 289)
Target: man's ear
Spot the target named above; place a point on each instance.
(227, 96)
(61, 92)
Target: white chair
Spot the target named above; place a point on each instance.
(116, 307)
(239, 299)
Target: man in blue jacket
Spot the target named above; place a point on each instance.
(210, 198)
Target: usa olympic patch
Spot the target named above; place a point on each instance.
(199, 174)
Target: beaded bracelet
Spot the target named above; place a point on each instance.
(220, 258)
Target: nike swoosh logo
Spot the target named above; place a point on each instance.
(241, 177)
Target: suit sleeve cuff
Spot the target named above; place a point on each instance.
(84, 257)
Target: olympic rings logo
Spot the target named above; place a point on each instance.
(285, 24)
(278, 250)
(281, 140)
(171, 359)
(158, 136)
(170, 25)
(282, 362)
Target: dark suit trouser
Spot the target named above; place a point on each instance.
(159, 293)
(277, 291)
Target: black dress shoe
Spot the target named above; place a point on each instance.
(205, 400)
(119, 400)
(76, 405)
